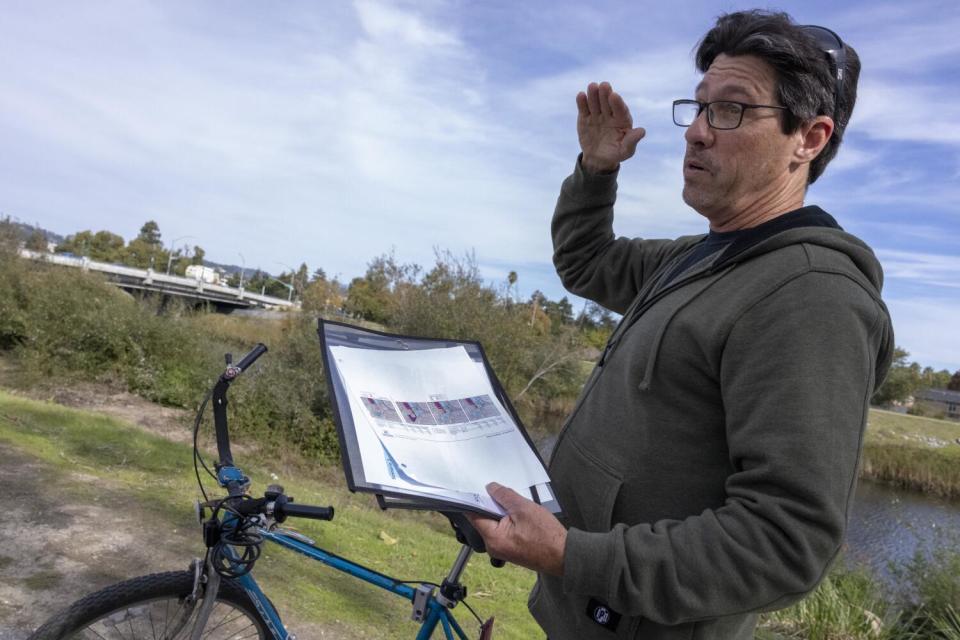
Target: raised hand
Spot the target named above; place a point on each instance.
(605, 128)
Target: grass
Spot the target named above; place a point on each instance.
(845, 605)
(913, 452)
(158, 474)
(851, 605)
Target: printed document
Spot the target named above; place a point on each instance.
(428, 423)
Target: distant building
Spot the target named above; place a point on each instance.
(937, 403)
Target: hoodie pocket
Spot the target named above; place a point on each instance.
(586, 487)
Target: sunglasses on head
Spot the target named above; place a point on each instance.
(831, 44)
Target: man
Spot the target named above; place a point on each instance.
(707, 469)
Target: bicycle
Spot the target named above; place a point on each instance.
(217, 598)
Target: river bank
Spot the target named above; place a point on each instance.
(911, 452)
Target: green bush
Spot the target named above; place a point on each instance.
(846, 605)
(537, 361)
(60, 323)
(284, 400)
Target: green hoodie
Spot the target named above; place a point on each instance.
(707, 470)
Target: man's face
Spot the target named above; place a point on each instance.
(729, 174)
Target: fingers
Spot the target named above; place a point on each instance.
(506, 497)
(597, 100)
(605, 90)
(618, 108)
(601, 100)
(583, 109)
(484, 525)
(593, 99)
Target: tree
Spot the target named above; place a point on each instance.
(934, 379)
(322, 296)
(902, 380)
(376, 295)
(37, 241)
(150, 233)
(300, 280)
(954, 384)
(198, 254)
(146, 251)
(78, 244)
(559, 312)
(106, 247)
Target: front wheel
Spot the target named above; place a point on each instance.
(154, 607)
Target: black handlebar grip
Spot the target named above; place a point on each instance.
(290, 509)
(249, 507)
(251, 357)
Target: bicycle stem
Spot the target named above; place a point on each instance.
(451, 591)
(460, 563)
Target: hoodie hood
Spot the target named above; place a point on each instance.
(810, 226)
(807, 225)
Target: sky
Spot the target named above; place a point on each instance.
(331, 132)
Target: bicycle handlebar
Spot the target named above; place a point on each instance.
(283, 508)
(289, 509)
(251, 357)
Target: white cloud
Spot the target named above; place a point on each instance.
(331, 134)
(926, 327)
(921, 268)
(912, 38)
(889, 109)
(852, 156)
(385, 22)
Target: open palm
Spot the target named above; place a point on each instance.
(605, 128)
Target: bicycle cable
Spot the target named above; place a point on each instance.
(436, 586)
(470, 609)
(197, 457)
(243, 535)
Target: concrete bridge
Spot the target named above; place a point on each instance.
(131, 279)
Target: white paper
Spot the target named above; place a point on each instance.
(429, 423)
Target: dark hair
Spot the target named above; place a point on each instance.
(806, 80)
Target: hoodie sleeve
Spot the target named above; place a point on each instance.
(797, 373)
(590, 261)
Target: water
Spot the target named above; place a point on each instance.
(887, 525)
(891, 525)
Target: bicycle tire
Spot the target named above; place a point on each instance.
(134, 610)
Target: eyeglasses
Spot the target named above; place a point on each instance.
(721, 114)
(832, 45)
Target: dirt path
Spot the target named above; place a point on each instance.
(56, 548)
(67, 534)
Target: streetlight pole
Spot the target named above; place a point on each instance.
(293, 274)
(170, 252)
(243, 269)
(288, 286)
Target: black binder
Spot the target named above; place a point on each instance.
(341, 334)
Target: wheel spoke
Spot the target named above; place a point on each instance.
(153, 630)
(156, 607)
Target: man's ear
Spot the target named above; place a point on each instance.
(812, 137)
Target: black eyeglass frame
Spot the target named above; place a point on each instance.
(835, 51)
(706, 106)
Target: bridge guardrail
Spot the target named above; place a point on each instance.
(157, 279)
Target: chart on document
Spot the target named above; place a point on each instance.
(428, 421)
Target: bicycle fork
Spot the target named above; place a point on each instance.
(210, 590)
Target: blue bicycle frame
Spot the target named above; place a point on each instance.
(435, 614)
(428, 609)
